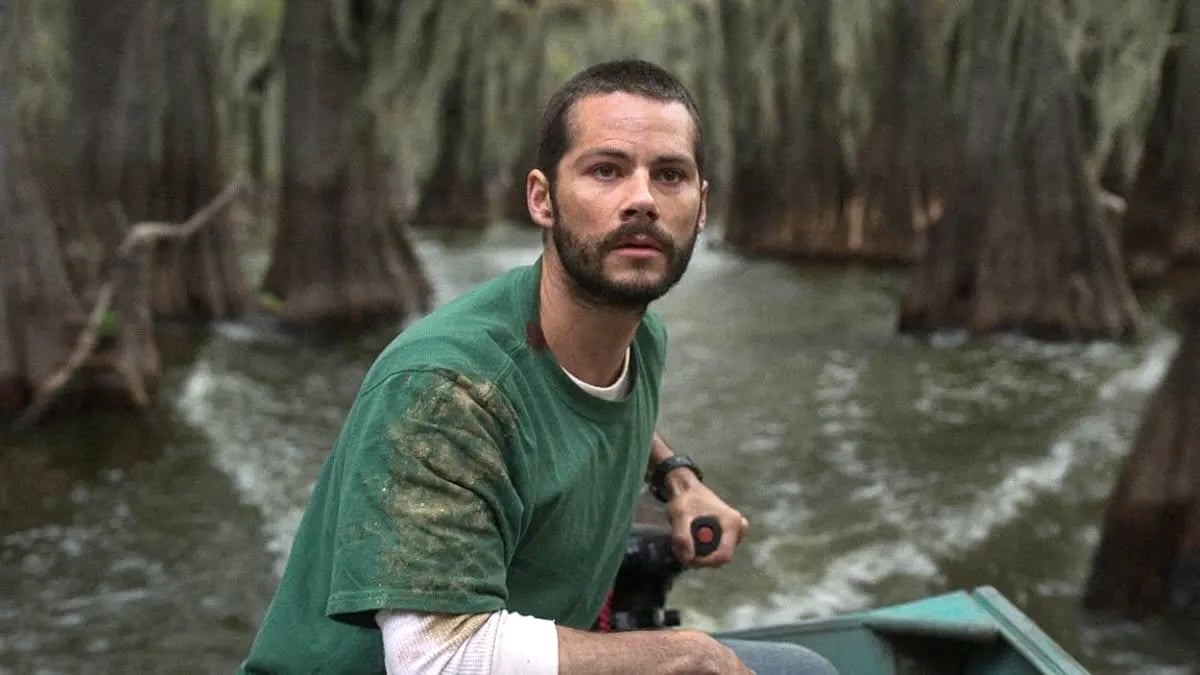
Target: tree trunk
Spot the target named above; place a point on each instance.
(903, 163)
(201, 276)
(116, 55)
(39, 313)
(337, 256)
(1148, 559)
(147, 147)
(66, 196)
(790, 179)
(456, 193)
(1022, 245)
(517, 105)
(1162, 223)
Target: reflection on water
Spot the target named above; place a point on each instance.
(875, 469)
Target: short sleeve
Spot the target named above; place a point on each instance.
(427, 516)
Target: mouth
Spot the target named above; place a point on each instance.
(641, 243)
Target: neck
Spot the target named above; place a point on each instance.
(586, 338)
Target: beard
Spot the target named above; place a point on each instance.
(583, 260)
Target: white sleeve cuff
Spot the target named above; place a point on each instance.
(525, 646)
(501, 643)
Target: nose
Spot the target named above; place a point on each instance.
(639, 202)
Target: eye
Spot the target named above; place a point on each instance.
(672, 176)
(604, 171)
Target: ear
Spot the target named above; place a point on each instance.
(700, 222)
(538, 199)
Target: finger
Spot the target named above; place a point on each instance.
(745, 527)
(682, 543)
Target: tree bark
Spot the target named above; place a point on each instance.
(124, 294)
(67, 197)
(200, 276)
(147, 147)
(39, 312)
(1148, 560)
(904, 161)
(456, 193)
(1162, 222)
(337, 256)
(1022, 245)
(789, 176)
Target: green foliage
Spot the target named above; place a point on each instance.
(107, 328)
(270, 302)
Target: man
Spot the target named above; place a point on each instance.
(476, 505)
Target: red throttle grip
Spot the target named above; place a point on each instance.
(706, 535)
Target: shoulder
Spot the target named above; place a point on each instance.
(475, 335)
(440, 397)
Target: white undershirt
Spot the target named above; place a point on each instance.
(500, 643)
(613, 392)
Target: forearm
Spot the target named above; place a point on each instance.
(661, 652)
(687, 499)
(676, 481)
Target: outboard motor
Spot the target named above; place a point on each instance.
(638, 599)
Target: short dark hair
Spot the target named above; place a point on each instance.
(641, 78)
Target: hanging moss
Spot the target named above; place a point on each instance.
(244, 35)
(1162, 222)
(1115, 51)
(1022, 246)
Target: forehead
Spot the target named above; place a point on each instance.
(620, 117)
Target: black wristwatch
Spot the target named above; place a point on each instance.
(658, 475)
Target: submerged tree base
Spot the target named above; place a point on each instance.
(1148, 560)
(1022, 246)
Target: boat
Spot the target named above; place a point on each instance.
(975, 632)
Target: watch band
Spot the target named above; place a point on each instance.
(658, 475)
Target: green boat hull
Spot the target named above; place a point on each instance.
(962, 633)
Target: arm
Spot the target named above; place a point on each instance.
(689, 499)
(504, 643)
(663, 652)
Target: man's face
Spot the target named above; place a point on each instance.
(627, 201)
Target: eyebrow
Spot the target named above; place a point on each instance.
(616, 153)
(603, 152)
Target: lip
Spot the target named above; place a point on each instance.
(640, 242)
(637, 251)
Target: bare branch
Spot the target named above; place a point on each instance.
(140, 234)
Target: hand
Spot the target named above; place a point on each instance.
(691, 499)
(710, 656)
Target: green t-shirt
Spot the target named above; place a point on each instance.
(471, 475)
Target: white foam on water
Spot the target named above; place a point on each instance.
(847, 581)
(1004, 503)
(1146, 375)
(842, 587)
(261, 471)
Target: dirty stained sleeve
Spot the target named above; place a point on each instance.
(428, 515)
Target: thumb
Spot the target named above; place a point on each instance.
(681, 541)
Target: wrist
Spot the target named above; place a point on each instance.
(680, 481)
(673, 476)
